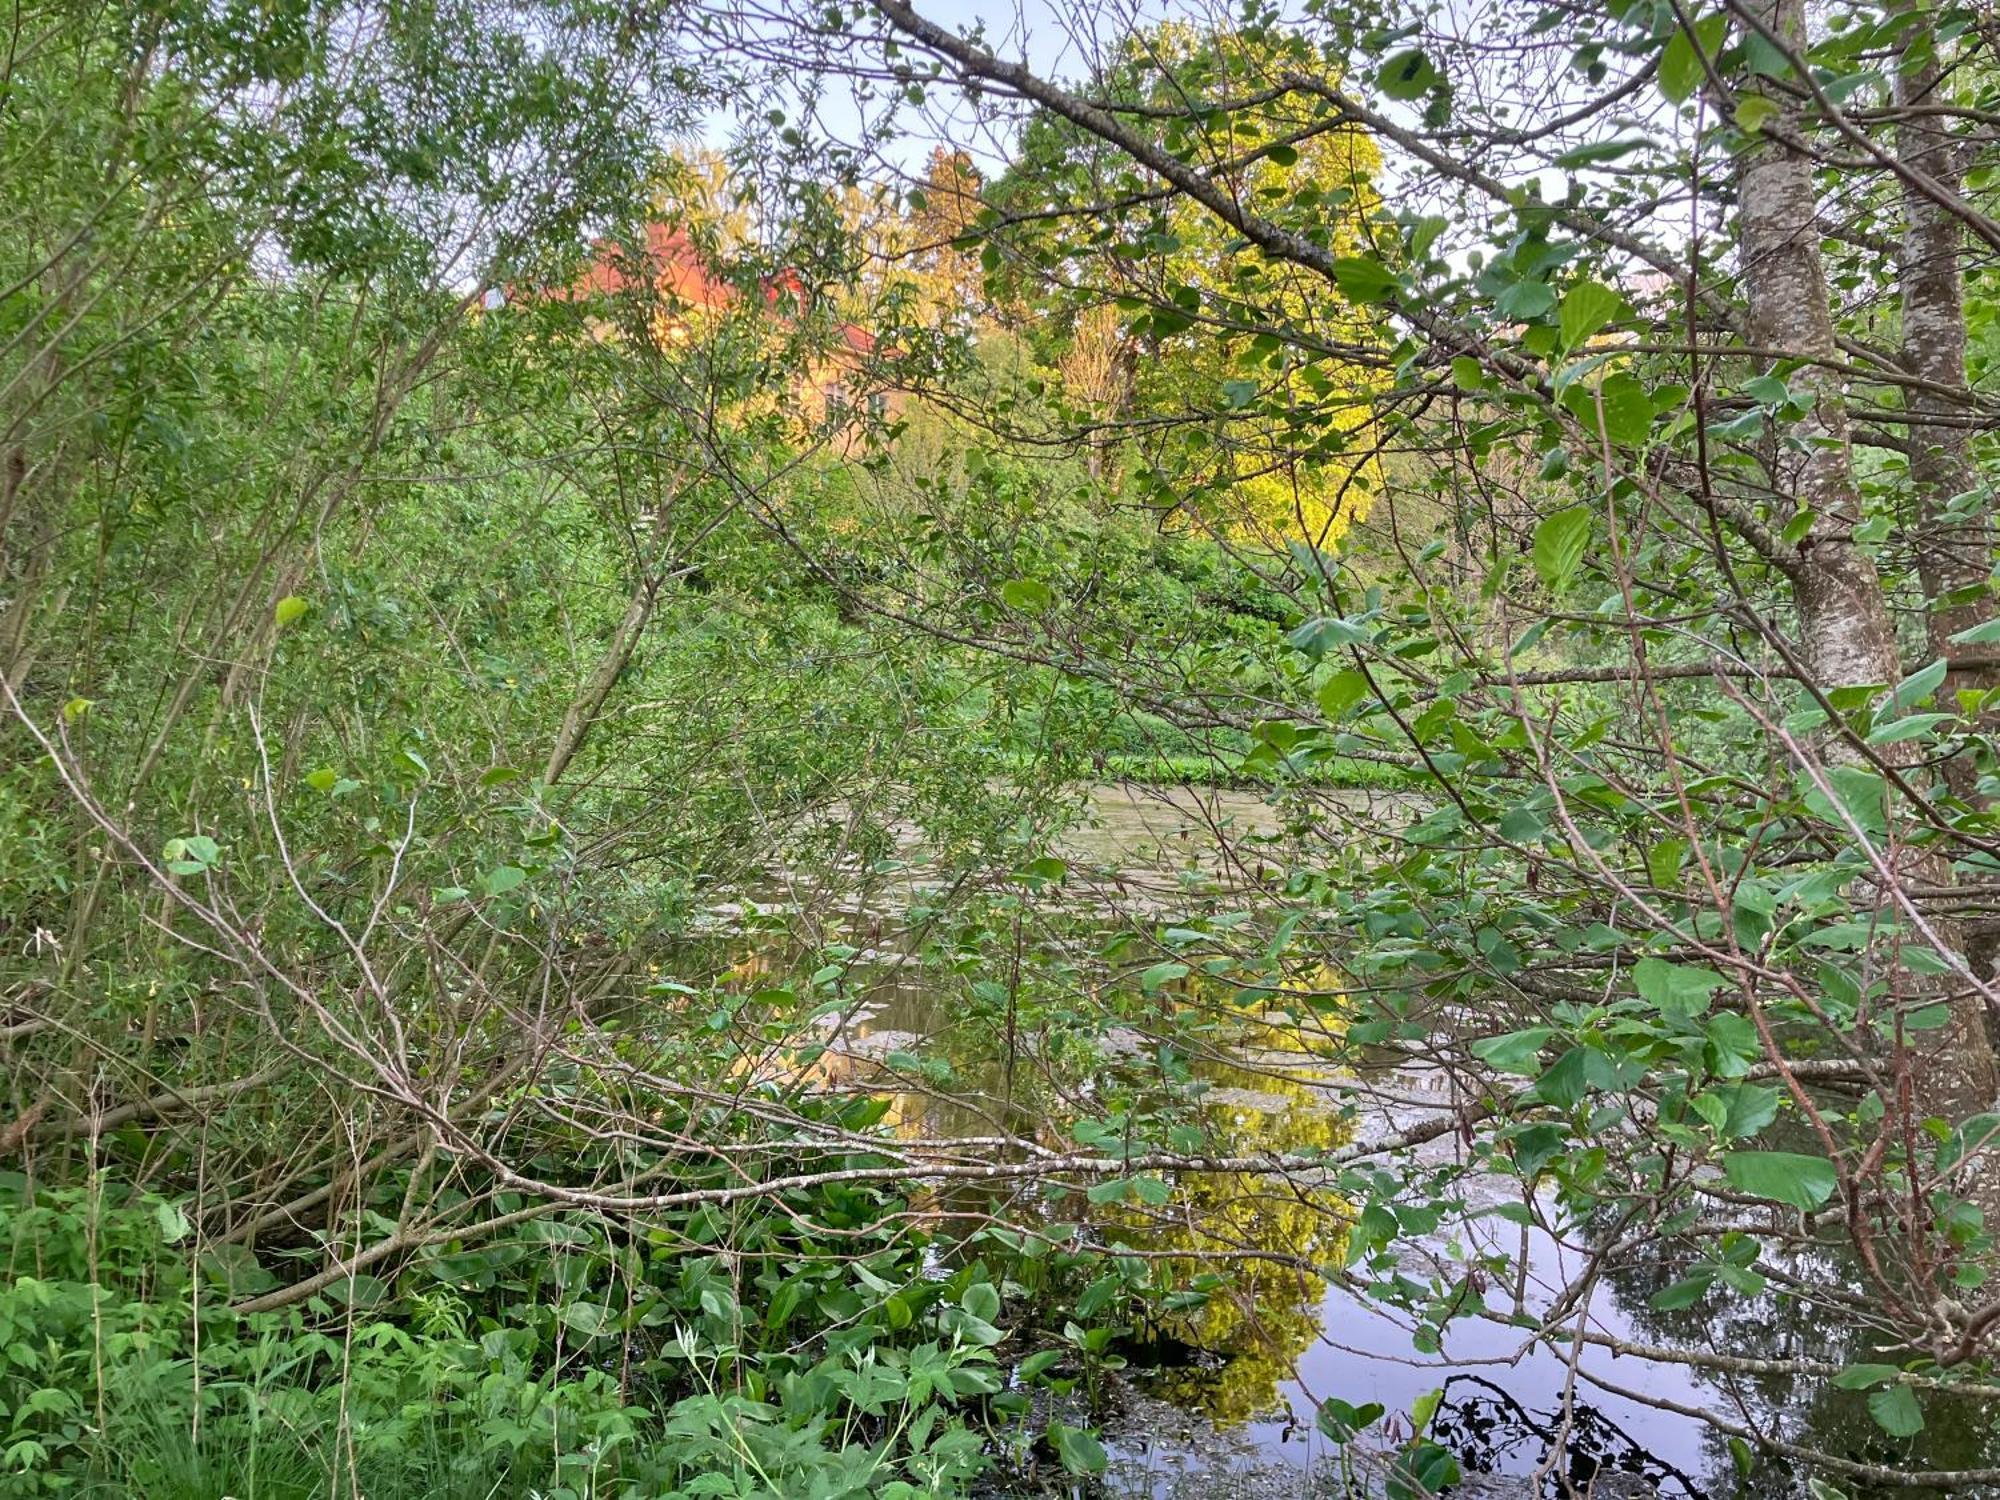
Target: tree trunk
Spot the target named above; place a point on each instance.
(1843, 616)
(1954, 552)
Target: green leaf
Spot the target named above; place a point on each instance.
(1161, 974)
(1916, 689)
(1516, 1052)
(1742, 1457)
(1036, 1364)
(1683, 1293)
(504, 879)
(982, 1300)
(1586, 308)
(585, 1318)
(1617, 408)
(1080, 1452)
(1592, 152)
(323, 779)
(1363, 279)
(1909, 727)
(1986, 633)
(289, 610)
(358, 1291)
(1525, 300)
(1558, 546)
(1409, 74)
(174, 1225)
(1864, 1377)
(1753, 111)
(1751, 1106)
(1896, 1412)
(1680, 64)
(1027, 595)
(1863, 797)
(1340, 1421)
(1341, 692)
(1805, 1182)
(1663, 861)
(1565, 1084)
(1678, 989)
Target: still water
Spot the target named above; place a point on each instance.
(1224, 1403)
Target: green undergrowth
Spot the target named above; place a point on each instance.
(1141, 769)
(565, 1358)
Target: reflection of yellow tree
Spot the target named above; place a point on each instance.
(1267, 1314)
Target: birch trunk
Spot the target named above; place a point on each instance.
(1843, 616)
(1954, 553)
(1954, 550)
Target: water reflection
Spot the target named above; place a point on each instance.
(959, 1054)
(1261, 1235)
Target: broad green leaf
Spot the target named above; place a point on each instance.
(1865, 1377)
(1565, 1083)
(1804, 1182)
(174, 1225)
(1986, 633)
(1080, 1452)
(1741, 1455)
(1678, 989)
(1525, 299)
(1683, 1293)
(1586, 308)
(1341, 692)
(1409, 74)
(1036, 1364)
(1558, 546)
(1617, 408)
(1753, 112)
(289, 610)
(1363, 279)
(1027, 595)
(1916, 689)
(1751, 1107)
(1909, 727)
(499, 881)
(1862, 793)
(1895, 1410)
(1340, 1421)
(1663, 861)
(1681, 70)
(1516, 1052)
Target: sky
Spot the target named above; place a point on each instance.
(1056, 40)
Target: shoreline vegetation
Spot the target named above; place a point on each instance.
(767, 752)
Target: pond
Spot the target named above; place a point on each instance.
(1223, 1401)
